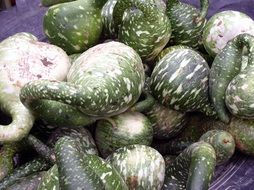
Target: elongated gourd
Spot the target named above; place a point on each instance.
(104, 81)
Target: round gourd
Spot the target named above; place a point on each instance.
(223, 27)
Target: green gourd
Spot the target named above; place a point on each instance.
(192, 169)
(187, 22)
(142, 25)
(180, 81)
(230, 85)
(141, 166)
(50, 179)
(22, 59)
(105, 80)
(74, 26)
(122, 130)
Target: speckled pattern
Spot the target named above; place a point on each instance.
(180, 81)
(104, 81)
(50, 180)
(142, 167)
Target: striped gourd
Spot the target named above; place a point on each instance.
(187, 22)
(121, 130)
(180, 81)
(74, 26)
(192, 169)
(104, 81)
(141, 166)
(230, 85)
(223, 27)
(145, 28)
(22, 59)
(78, 170)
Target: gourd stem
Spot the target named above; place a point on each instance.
(204, 4)
(144, 105)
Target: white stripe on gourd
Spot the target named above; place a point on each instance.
(104, 81)
(187, 22)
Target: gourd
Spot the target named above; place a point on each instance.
(192, 169)
(142, 25)
(230, 85)
(50, 179)
(105, 80)
(180, 81)
(78, 170)
(141, 166)
(187, 22)
(74, 26)
(22, 59)
(223, 27)
(121, 130)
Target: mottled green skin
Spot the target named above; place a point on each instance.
(141, 167)
(82, 135)
(29, 168)
(222, 142)
(145, 28)
(180, 81)
(125, 129)
(187, 22)
(30, 182)
(223, 27)
(78, 170)
(167, 123)
(192, 169)
(168, 50)
(48, 3)
(74, 26)
(226, 65)
(104, 81)
(50, 180)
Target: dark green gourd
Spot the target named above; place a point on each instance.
(192, 169)
(121, 130)
(78, 170)
(142, 25)
(222, 142)
(141, 166)
(187, 22)
(104, 81)
(230, 85)
(50, 179)
(74, 26)
(180, 81)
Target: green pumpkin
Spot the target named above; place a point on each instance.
(187, 22)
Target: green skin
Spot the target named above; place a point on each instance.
(78, 170)
(30, 182)
(74, 26)
(122, 130)
(192, 169)
(100, 86)
(227, 65)
(146, 29)
(187, 22)
(22, 59)
(180, 81)
(141, 166)
(222, 142)
(50, 180)
(27, 169)
(48, 3)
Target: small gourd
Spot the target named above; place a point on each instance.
(230, 84)
(143, 25)
(223, 27)
(187, 22)
(105, 80)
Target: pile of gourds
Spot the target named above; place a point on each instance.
(126, 94)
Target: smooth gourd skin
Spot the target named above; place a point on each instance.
(192, 169)
(145, 28)
(78, 170)
(104, 81)
(187, 22)
(141, 166)
(74, 26)
(227, 79)
(180, 81)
